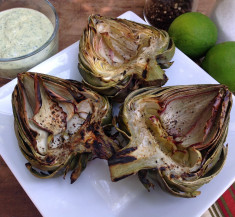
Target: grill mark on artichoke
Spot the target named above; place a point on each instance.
(78, 99)
(118, 46)
(122, 177)
(79, 88)
(97, 147)
(82, 135)
(90, 128)
(87, 145)
(125, 151)
(180, 170)
(124, 73)
(144, 73)
(121, 160)
(50, 159)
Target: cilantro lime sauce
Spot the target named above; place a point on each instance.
(22, 31)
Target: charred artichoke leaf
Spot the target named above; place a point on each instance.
(117, 56)
(176, 136)
(59, 124)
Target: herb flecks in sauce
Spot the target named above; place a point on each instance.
(22, 31)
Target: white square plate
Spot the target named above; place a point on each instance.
(93, 194)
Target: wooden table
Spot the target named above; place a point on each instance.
(73, 17)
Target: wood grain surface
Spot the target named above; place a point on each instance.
(73, 17)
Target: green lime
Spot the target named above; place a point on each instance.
(193, 33)
(219, 62)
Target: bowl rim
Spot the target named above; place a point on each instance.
(53, 35)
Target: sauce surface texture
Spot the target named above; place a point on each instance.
(22, 31)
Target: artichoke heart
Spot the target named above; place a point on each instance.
(59, 124)
(176, 136)
(117, 56)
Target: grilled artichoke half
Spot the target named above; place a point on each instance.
(58, 124)
(176, 137)
(117, 56)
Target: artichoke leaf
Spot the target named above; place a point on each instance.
(176, 136)
(55, 122)
(112, 50)
(48, 115)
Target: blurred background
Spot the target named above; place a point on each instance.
(73, 14)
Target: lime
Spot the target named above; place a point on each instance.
(193, 33)
(219, 62)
